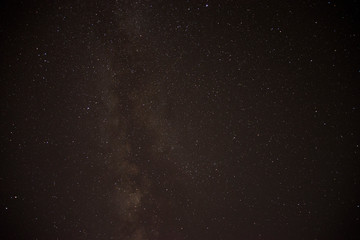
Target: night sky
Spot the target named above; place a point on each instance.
(170, 120)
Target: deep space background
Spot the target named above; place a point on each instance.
(180, 120)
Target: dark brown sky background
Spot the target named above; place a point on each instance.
(179, 120)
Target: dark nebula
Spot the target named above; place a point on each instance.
(180, 120)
